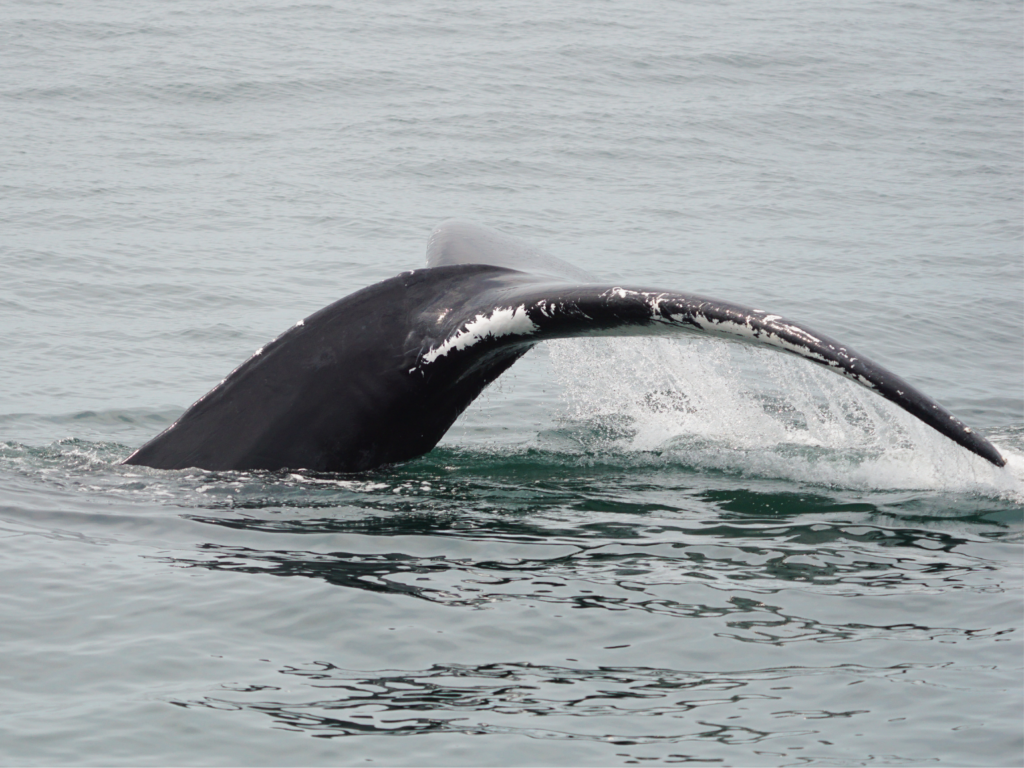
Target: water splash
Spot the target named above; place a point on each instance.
(727, 407)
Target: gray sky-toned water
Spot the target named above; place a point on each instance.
(619, 553)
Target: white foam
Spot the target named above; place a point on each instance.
(737, 408)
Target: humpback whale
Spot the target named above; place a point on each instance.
(379, 376)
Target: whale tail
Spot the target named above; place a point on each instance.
(379, 376)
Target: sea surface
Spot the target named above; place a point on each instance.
(628, 551)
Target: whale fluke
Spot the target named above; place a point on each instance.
(379, 376)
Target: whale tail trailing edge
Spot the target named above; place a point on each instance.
(379, 376)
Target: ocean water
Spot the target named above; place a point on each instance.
(627, 551)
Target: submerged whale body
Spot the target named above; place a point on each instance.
(379, 376)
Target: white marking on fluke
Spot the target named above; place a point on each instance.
(622, 293)
(507, 321)
(769, 332)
